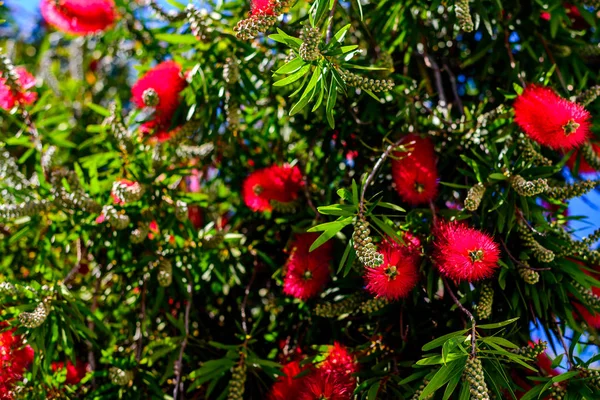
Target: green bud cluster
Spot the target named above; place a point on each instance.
(592, 377)
(118, 129)
(119, 377)
(231, 70)
(473, 373)
(486, 301)
(27, 208)
(557, 391)
(528, 275)
(528, 188)
(213, 241)
(8, 72)
(173, 16)
(237, 382)
(48, 158)
(254, 25)
(363, 245)
(532, 352)
(37, 317)
(127, 193)
(139, 234)
(9, 172)
(76, 199)
(374, 85)
(463, 15)
(589, 50)
(541, 253)
(116, 219)
(529, 153)
(570, 191)
(587, 97)
(590, 298)
(232, 112)
(181, 211)
(7, 289)
(417, 394)
(165, 273)
(373, 305)
(196, 19)
(334, 310)
(309, 49)
(590, 156)
(474, 196)
(150, 98)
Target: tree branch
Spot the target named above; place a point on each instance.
(468, 314)
(179, 365)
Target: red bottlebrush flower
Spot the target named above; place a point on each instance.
(159, 88)
(288, 385)
(339, 361)
(411, 246)
(8, 98)
(398, 274)
(279, 183)
(262, 7)
(75, 372)
(14, 360)
(414, 172)
(463, 253)
(551, 120)
(320, 386)
(545, 15)
(306, 272)
(79, 17)
(584, 167)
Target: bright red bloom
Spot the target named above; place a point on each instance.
(398, 274)
(288, 385)
(411, 246)
(463, 253)
(278, 183)
(320, 386)
(306, 272)
(414, 172)
(14, 360)
(167, 82)
(75, 373)
(584, 167)
(339, 361)
(262, 7)
(79, 17)
(551, 120)
(8, 98)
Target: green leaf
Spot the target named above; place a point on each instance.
(174, 38)
(498, 324)
(443, 375)
(331, 99)
(293, 77)
(291, 66)
(98, 109)
(390, 206)
(337, 209)
(330, 229)
(309, 92)
(344, 256)
(373, 390)
(499, 341)
(442, 339)
(339, 35)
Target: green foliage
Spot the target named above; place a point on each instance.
(172, 287)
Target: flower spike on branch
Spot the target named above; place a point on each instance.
(540, 252)
(486, 301)
(529, 276)
(417, 394)
(528, 188)
(238, 381)
(263, 16)
(570, 191)
(587, 97)
(334, 310)
(533, 350)
(530, 154)
(463, 15)
(37, 317)
(363, 245)
(309, 49)
(474, 196)
(590, 155)
(473, 373)
(374, 85)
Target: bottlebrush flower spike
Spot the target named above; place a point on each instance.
(279, 183)
(75, 372)
(262, 7)
(398, 274)
(79, 17)
(414, 172)
(161, 87)
(590, 153)
(9, 97)
(306, 272)
(319, 386)
(288, 385)
(551, 120)
(15, 358)
(592, 296)
(463, 253)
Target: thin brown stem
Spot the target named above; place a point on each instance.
(468, 314)
(330, 26)
(562, 341)
(553, 61)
